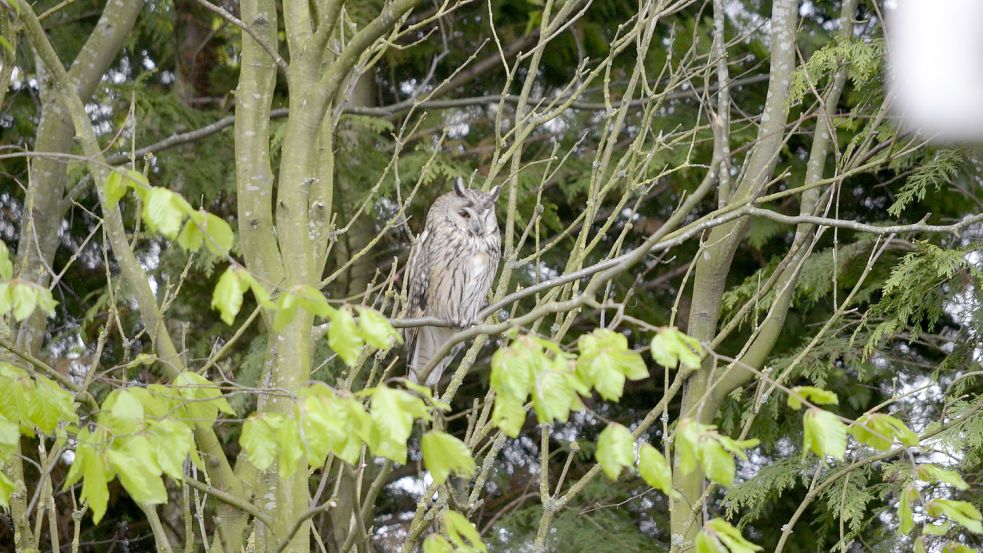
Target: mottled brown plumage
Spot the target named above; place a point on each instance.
(451, 268)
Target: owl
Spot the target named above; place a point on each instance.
(451, 267)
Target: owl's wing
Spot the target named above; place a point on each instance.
(494, 257)
(417, 283)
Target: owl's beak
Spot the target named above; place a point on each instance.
(476, 226)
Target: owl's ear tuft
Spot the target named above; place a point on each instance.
(494, 192)
(459, 187)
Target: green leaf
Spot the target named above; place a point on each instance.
(960, 512)
(127, 407)
(49, 405)
(133, 461)
(376, 330)
(115, 188)
(25, 299)
(344, 337)
(227, 296)
(718, 465)
(173, 442)
(6, 297)
(615, 450)
(655, 470)
(932, 473)
(670, 347)
(95, 485)
(687, 445)
(6, 266)
(824, 434)
(323, 419)
(509, 415)
(313, 301)
(286, 310)
(392, 416)
(879, 431)
(203, 399)
(190, 238)
(605, 361)
(705, 543)
(6, 488)
(462, 532)
(259, 439)
(817, 396)
(552, 394)
(920, 544)
(513, 367)
(905, 513)
(436, 543)
(162, 211)
(730, 537)
(217, 234)
(444, 454)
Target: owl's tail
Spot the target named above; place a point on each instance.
(424, 347)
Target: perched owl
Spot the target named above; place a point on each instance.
(451, 268)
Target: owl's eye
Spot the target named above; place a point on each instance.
(465, 214)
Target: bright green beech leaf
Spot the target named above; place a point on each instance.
(509, 415)
(344, 337)
(932, 473)
(6, 487)
(133, 461)
(920, 545)
(436, 543)
(687, 445)
(956, 547)
(879, 431)
(960, 512)
(259, 439)
(6, 264)
(705, 543)
(95, 484)
(939, 528)
(905, 513)
(115, 188)
(655, 470)
(227, 296)
(25, 299)
(615, 450)
(217, 234)
(513, 368)
(717, 463)
(322, 420)
(190, 238)
(376, 329)
(49, 405)
(127, 407)
(392, 415)
(824, 434)
(605, 361)
(817, 396)
(462, 532)
(203, 399)
(286, 310)
(737, 447)
(162, 211)
(729, 537)
(670, 347)
(444, 454)
(173, 442)
(552, 394)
